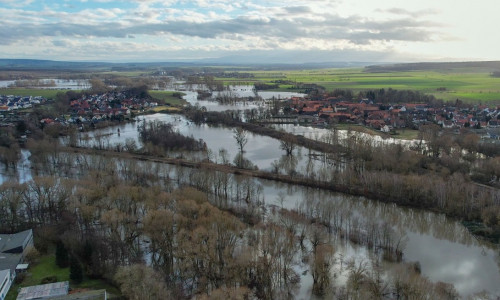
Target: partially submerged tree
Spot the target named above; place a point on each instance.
(288, 143)
(240, 135)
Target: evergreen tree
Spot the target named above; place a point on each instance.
(62, 260)
(87, 253)
(75, 270)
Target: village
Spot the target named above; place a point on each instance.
(11, 103)
(85, 110)
(387, 117)
(107, 106)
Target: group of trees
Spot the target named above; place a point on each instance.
(208, 80)
(387, 96)
(9, 148)
(422, 175)
(34, 83)
(163, 135)
(210, 241)
(195, 241)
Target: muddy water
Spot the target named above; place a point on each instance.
(443, 247)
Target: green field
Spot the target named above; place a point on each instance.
(49, 94)
(402, 134)
(449, 81)
(126, 73)
(468, 85)
(167, 97)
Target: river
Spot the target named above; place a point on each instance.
(444, 248)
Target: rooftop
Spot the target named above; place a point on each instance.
(9, 242)
(3, 274)
(9, 261)
(44, 291)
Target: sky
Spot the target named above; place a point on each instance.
(250, 30)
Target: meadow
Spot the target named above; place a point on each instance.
(467, 84)
(46, 93)
(168, 97)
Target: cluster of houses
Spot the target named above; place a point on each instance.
(11, 103)
(88, 109)
(386, 117)
(108, 106)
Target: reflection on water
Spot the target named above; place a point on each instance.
(445, 249)
(262, 151)
(191, 96)
(21, 174)
(67, 84)
(321, 134)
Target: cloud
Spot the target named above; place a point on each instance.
(415, 14)
(297, 10)
(16, 3)
(212, 25)
(353, 29)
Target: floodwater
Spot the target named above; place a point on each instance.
(21, 174)
(446, 251)
(191, 96)
(443, 247)
(64, 84)
(262, 151)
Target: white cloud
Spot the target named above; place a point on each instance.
(238, 25)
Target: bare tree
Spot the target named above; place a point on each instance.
(141, 282)
(288, 144)
(240, 135)
(320, 268)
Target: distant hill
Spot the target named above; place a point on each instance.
(51, 65)
(35, 64)
(470, 66)
(237, 62)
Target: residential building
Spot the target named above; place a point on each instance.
(6, 278)
(13, 248)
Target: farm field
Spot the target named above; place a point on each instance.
(46, 93)
(167, 97)
(469, 85)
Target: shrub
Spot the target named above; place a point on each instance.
(48, 279)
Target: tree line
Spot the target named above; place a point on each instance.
(423, 175)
